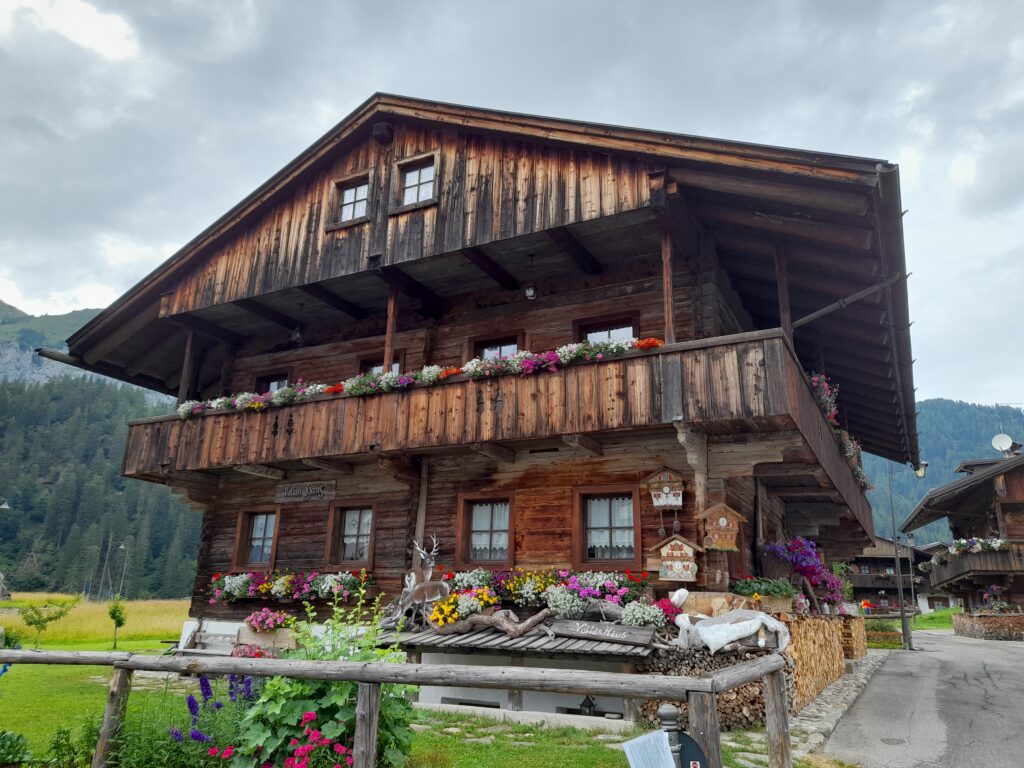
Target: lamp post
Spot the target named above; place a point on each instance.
(912, 569)
(908, 643)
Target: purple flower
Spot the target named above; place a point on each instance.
(205, 688)
(193, 708)
(247, 692)
(217, 705)
(196, 735)
(176, 734)
(232, 688)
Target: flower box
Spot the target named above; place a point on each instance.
(278, 639)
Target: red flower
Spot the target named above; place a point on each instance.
(213, 751)
(643, 575)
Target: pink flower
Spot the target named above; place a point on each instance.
(228, 752)
(340, 749)
(293, 742)
(308, 717)
(213, 751)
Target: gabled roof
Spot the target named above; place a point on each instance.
(940, 502)
(840, 214)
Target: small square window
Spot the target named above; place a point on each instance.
(610, 333)
(495, 348)
(271, 382)
(418, 183)
(353, 535)
(488, 531)
(376, 365)
(353, 200)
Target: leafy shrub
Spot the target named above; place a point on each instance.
(11, 637)
(769, 587)
(117, 615)
(39, 617)
(70, 750)
(287, 707)
(882, 625)
(13, 748)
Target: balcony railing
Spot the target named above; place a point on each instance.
(1008, 561)
(741, 383)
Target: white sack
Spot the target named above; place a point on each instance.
(719, 631)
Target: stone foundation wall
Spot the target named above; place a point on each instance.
(989, 627)
(855, 639)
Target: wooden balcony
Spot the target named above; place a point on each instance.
(983, 566)
(883, 580)
(744, 383)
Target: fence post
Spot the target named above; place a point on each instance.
(776, 719)
(113, 716)
(364, 746)
(668, 714)
(703, 725)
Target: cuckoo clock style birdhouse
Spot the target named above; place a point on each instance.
(721, 527)
(666, 489)
(674, 559)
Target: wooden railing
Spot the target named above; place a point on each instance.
(1007, 561)
(700, 693)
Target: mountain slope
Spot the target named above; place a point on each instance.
(21, 333)
(951, 431)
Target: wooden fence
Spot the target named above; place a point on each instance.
(700, 692)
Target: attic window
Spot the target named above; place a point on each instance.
(271, 382)
(418, 184)
(606, 329)
(354, 198)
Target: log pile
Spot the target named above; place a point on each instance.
(855, 639)
(816, 648)
(741, 708)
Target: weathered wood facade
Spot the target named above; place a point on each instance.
(986, 504)
(465, 227)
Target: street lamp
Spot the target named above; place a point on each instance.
(920, 470)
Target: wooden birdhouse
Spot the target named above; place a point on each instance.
(674, 559)
(721, 525)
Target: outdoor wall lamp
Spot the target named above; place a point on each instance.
(921, 470)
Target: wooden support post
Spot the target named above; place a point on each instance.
(414, 657)
(188, 365)
(421, 510)
(631, 708)
(389, 331)
(776, 715)
(782, 285)
(515, 695)
(666, 287)
(703, 725)
(364, 748)
(696, 446)
(113, 717)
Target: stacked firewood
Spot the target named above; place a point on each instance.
(855, 639)
(740, 708)
(816, 647)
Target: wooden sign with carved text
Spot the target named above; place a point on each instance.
(298, 493)
(603, 631)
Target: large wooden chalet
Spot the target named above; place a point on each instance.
(418, 233)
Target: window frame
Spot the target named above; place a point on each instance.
(584, 325)
(243, 537)
(397, 355)
(334, 199)
(580, 494)
(278, 373)
(399, 169)
(463, 537)
(334, 515)
(474, 342)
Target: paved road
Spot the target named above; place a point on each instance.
(954, 702)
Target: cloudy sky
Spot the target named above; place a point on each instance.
(127, 126)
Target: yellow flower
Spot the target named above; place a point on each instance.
(757, 597)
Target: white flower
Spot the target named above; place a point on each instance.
(472, 366)
(479, 577)
(430, 374)
(282, 396)
(388, 381)
(281, 587)
(243, 399)
(568, 352)
(219, 403)
(237, 585)
(191, 408)
(564, 603)
(642, 614)
(312, 390)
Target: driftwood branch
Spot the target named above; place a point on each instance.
(501, 620)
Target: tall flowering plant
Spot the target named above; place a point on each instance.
(827, 396)
(802, 554)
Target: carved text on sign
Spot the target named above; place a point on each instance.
(294, 493)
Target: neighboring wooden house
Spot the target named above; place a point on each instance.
(873, 576)
(418, 233)
(987, 504)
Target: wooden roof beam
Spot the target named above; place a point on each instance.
(337, 466)
(264, 312)
(260, 470)
(823, 198)
(847, 301)
(331, 299)
(832, 260)
(121, 333)
(491, 268)
(584, 443)
(431, 304)
(807, 230)
(569, 245)
(107, 369)
(193, 323)
(494, 451)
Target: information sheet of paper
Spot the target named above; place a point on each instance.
(649, 751)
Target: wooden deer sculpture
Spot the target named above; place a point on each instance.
(420, 591)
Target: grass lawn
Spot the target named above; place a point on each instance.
(942, 619)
